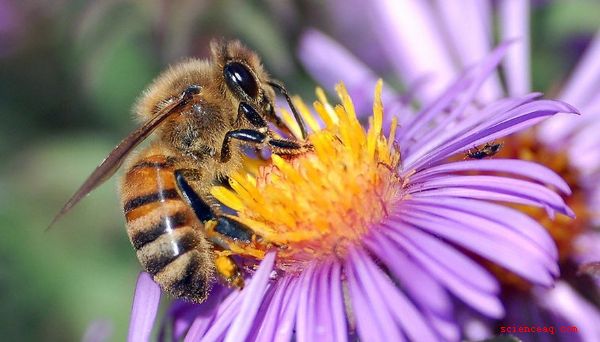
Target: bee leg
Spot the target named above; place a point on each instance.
(225, 265)
(252, 115)
(278, 122)
(258, 121)
(229, 270)
(257, 137)
(277, 85)
(289, 147)
(224, 225)
(220, 229)
(251, 136)
(221, 232)
(201, 208)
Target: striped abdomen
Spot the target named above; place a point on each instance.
(164, 230)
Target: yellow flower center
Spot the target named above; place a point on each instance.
(315, 205)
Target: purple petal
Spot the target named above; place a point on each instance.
(558, 130)
(530, 230)
(587, 246)
(98, 331)
(487, 243)
(484, 194)
(195, 330)
(322, 318)
(522, 310)
(373, 320)
(564, 301)
(517, 187)
(329, 63)
(523, 168)
(405, 313)
(445, 326)
(464, 89)
(458, 284)
(444, 254)
(253, 295)
(414, 45)
(261, 315)
(306, 306)
(315, 319)
(184, 314)
(420, 286)
(488, 228)
(498, 232)
(586, 139)
(586, 78)
(266, 332)
(469, 29)
(213, 329)
(287, 318)
(144, 308)
(514, 17)
(520, 118)
(472, 120)
(337, 304)
(581, 90)
(426, 292)
(278, 323)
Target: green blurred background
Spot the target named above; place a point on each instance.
(69, 72)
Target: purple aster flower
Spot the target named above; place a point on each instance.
(376, 235)
(435, 41)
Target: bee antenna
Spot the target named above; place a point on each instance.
(277, 85)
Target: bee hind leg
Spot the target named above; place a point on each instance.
(221, 230)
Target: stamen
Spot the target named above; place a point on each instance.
(317, 205)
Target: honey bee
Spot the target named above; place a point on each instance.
(203, 112)
(488, 150)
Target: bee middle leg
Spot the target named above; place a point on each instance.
(223, 229)
(258, 138)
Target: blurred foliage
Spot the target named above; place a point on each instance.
(69, 72)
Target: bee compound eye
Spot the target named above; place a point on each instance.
(237, 76)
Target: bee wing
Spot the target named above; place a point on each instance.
(111, 164)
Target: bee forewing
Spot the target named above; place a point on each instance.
(111, 164)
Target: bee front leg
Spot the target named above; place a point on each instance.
(249, 136)
(279, 86)
(259, 136)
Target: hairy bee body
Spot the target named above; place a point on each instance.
(168, 237)
(201, 112)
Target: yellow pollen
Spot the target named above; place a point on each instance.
(314, 205)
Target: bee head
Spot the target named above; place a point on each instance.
(243, 74)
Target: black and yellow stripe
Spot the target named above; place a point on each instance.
(164, 230)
